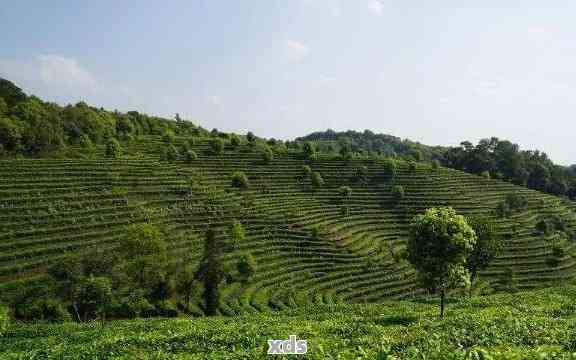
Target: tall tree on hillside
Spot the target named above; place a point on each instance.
(211, 271)
(440, 242)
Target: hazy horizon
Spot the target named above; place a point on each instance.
(438, 73)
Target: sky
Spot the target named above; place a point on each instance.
(438, 72)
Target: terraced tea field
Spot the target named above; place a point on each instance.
(535, 324)
(51, 208)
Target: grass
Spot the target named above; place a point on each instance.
(535, 324)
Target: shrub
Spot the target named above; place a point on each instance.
(238, 234)
(217, 146)
(246, 266)
(267, 155)
(412, 166)
(4, 319)
(516, 202)
(345, 191)
(235, 140)
(251, 138)
(45, 310)
(133, 305)
(485, 174)
(317, 180)
(435, 165)
(170, 154)
(306, 171)
(398, 192)
(240, 180)
(166, 309)
(190, 156)
(542, 227)
(113, 149)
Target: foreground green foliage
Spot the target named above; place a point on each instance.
(530, 325)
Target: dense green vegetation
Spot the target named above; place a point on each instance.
(526, 325)
(495, 158)
(108, 216)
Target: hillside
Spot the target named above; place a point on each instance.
(494, 157)
(52, 208)
(527, 325)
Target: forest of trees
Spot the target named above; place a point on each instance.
(494, 158)
(32, 127)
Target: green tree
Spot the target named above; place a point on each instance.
(488, 245)
(186, 284)
(309, 151)
(10, 134)
(170, 153)
(235, 140)
(238, 234)
(246, 266)
(190, 156)
(251, 138)
(345, 192)
(435, 165)
(113, 149)
(211, 271)
(92, 297)
(240, 180)
(217, 146)
(267, 154)
(317, 180)
(440, 242)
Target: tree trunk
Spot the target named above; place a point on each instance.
(442, 296)
(472, 278)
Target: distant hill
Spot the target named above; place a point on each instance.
(493, 157)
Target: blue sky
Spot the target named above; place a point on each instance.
(438, 72)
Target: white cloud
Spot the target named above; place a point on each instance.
(60, 70)
(295, 51)
(376, 7)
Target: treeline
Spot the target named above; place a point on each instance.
(494, 158)
(369, 143)
(504, 160)
(32, 127)
(137, 279)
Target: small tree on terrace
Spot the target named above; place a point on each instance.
(440, 241)
(217, 146)
(317, 180)
(267, 154)
(238, 234)
(488, 246)
(113, 149)
(240, 180)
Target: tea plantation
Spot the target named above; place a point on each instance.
(536, 324)
(326, 237)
